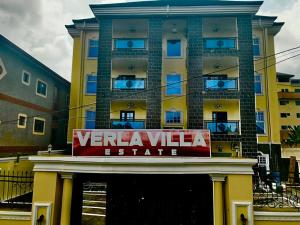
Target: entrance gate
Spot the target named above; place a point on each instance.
(143, 200)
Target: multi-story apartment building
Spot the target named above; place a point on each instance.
(30, 96)
(178, 71)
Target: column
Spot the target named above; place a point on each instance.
(66, 199)
(218, 204)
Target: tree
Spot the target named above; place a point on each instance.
(294, 136)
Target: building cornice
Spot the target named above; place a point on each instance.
(11, 215)
(276, 216)
(176, 10)
(143, 165)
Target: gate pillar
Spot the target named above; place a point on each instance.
(66, 198)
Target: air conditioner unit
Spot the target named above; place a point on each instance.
(2, 69)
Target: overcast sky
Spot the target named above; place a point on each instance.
(37, 26)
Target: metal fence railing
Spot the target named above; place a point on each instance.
(16, 189)
(270, 193)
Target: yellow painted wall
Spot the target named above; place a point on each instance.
(15, 222)
(238, 188)
(267, 102)
(48, 189)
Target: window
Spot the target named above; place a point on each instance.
(284, 90)
(284, 115)
(174, 86)
(41, 88)
(297, 90)
(127, 115)
(93, 48)
(38, 126)
(173, 117)
(90, 118)
(260, 123)
(283, 102)
(22, 120)
(173, 48)
(91, 84)
(297, 102)
(284, 127)
(256, 47)
(298, 115)
(26, 78)
(258, 84)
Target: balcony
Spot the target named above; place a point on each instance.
(130, 43)
(129, 84)
(211, 83)
(133, 124)
(228, 127)
(219, 43)
(288, 95)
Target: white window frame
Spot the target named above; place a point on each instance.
(86, 83)
(41, 119)
(23, 115)
(36, 86)
(259, 45)
(174, 124)
(23, 73)
(261, 83)
(265, 130)
(88, 47)
(181, 48)
(168, 85)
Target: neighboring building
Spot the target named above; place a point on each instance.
(30, 94)
(289, 103)
(139, 54)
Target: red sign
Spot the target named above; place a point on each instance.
(112, 142)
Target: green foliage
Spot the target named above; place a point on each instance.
(294, 136)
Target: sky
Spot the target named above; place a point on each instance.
(38, 27)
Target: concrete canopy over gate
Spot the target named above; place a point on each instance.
(232, 181)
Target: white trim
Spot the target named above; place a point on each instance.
(217, 177)
(23, 72)
(9, 159)
(35, 211)
(249, 217)
(23, 115)
(12, 215)
(41, 119)
(178, 10)
(68, 176)
(277, 216)
(36, 86)
(143, 165)
(4, 72)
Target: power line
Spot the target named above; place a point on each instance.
(162, 86)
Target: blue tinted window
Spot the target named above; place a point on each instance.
(93, 48)
(130, 43)
(174, 48)
(256, 47)
(219, 43)
(174, 86)
(173, 117)
(91, 84)
(260, 123)
(258, 84)
(90, 117)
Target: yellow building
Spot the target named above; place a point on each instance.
(169, 65)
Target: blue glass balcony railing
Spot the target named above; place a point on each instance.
(217, 43)
(129, 84)
(221, 84)
(130, 43)
(133, 124)
(229, 127)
